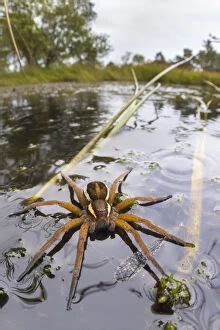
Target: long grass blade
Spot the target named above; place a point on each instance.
(105, 130)
(11, 32)
(132, 110)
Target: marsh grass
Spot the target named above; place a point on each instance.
(95, 74)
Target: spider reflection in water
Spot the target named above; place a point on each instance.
(98, 210)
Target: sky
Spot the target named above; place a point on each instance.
(149, 26)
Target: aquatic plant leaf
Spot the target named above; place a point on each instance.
(170, 294)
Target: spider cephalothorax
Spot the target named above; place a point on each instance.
(97, 209)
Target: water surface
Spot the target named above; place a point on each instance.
(43, 127)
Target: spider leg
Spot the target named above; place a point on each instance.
(68, 206)
(128, 228)
(79, 193)
(62, 230)
(124, 236)
(129, 202)
(147, 231)
(72, 197)
(116, 186)
(134, 218)
(83, 234)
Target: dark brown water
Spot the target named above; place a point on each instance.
(43, 128)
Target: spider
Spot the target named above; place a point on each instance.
(98, 210)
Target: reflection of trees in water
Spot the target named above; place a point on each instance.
(36, 132)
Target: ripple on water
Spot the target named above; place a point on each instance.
(214, 323)
(175, 170)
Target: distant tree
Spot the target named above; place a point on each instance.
(214, 38)
(126, 58)
(138, 59)
(110, 64)
(186, 54)
(160, 58)
(208, 59)
(49, 31)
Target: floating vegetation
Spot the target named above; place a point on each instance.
(206, 269)
(169, 326)
(75, 177)
(178, 197)
(153, 165)
(170, 294)
(15, 252)
(7, 257)
(48, 272)
(3, 297)
(99, 167)
(103, 159)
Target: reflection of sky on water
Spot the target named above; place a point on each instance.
(41, 130)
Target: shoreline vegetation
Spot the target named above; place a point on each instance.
(82, 73)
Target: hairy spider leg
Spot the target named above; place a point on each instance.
(116, 185)
(79, 192)
(129, 202)
(72, 197)
(68, 206)
(62, 230)
(83, 235)
(128, 228)
(134, 218)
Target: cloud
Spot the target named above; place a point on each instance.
(149, 26)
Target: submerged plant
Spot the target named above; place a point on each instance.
(171, 293)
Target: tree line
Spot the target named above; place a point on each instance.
(51, 32)
(207, 59)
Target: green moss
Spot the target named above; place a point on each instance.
(15, 252)
(169, 326)
(170, 293)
